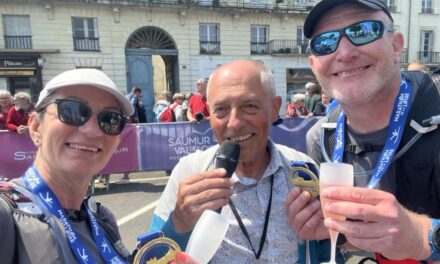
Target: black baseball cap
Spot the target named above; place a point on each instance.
(319, 9)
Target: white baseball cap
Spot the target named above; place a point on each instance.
(89, 77)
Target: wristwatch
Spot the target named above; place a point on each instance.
(434, 240)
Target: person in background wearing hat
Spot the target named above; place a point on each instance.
(18, 115)
(178, 108)
(355, 55)
(76, 127)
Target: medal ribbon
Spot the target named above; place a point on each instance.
(38, 187)
(394, 133)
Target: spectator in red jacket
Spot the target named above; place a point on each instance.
(18, 115)
(5, 104)
(197, 108)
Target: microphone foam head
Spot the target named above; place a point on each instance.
(227, 156)
(229, 149)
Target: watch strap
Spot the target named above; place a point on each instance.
(434, 241)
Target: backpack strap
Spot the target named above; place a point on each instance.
(35, 204)
(8, 203)
(427, 93)
(328, 130)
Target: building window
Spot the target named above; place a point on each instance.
(17, 32)
(209, 39)
(426, 46)
(301, 41)
(85, 34)
(427, 7)
(391, 5)
(259, 40)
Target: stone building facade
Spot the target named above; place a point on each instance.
(169, 44)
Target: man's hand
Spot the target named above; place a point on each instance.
(22, 129)
(305, 216)
(207, 190)
(386, 226)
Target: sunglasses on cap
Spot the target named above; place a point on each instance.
(75, 113)
(359, 33)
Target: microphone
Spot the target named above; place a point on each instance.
(433, 120)
(227, 158)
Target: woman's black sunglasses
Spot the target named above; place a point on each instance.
(76, 113)
(358, 34)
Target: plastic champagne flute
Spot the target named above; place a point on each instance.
(207, 236)
(330, 175)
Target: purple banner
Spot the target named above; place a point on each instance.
(124, 158)
(292, 132)
(163, 144)
(17, 153)
(145, 147)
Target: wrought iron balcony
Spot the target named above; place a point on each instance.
(18, 42)
(429, 57)
(233, 5)
(427, 10)
(286, 47)
(259, 48)
(86, 44)
(209, 47)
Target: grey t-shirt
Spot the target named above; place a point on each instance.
(32, 239)
(363, 163)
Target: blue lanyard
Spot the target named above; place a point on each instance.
(394, 133)
(38, 187)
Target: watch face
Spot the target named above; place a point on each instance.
(436, 237)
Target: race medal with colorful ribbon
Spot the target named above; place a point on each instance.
(304, 178)
(154, 248)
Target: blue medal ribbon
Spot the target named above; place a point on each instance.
(39, 188)
(394, 133)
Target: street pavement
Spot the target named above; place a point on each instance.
(133, 203)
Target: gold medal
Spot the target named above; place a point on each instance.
(310, 185)
(161, 250)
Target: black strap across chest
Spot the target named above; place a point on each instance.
(266, 222)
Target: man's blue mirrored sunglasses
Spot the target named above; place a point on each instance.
(359, 33)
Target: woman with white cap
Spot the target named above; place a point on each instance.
(44, 215)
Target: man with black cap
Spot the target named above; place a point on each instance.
(385, 125)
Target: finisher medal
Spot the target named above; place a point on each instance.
(303, 175)
(154, 248)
